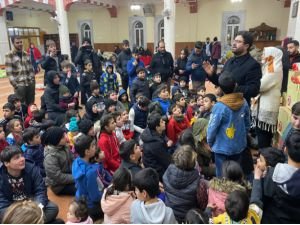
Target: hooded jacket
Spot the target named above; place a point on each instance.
(281, 195)
(58, 166)
(155, 213)
(34, 186)
(181, 190)
(89, 114)
(108, 81)
(228, 125)
(85, 176)
(109, 144)
(35, 153)
(51, 94)
(155, 153)
(28, 117)
(127, 105)
(116, 207)
(218, 192)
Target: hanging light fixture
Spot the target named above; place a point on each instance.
(235, 1)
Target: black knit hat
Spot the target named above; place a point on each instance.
(85, 125)
(53, 135)
(272, 156)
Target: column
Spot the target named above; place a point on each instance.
(169, 22)
(63, 28)
(294, 21)
(4, 41)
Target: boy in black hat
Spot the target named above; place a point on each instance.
(140, 85)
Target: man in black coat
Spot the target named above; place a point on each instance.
(293, 50)
(163, 63)
(245, 69)
(85, 52)
(155, 148)
(122, 61)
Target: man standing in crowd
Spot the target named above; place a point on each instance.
(163, 63)
(122, 61)
(215, 52)
(293, 49)
(245, 69)
(194, 66)
(207, 48)
(20, 72)
(85, 52)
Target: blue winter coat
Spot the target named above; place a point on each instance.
(131, 70)
(35, 153)
(34, 186)
(85, 176)
(164, 104)
(198, 74)
(227, 128)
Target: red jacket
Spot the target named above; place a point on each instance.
(108, 143)
(189, 113)
(28, 117)
(36, 53)
(174, 129)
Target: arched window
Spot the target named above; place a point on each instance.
(232, 28)
(85, 31)
(138, 34)
(161, 30)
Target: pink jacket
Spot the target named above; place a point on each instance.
(218, 192)
(116, 207)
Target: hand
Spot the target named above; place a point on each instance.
(76, 94)
(135, 63)
(194, 66)
(51, 54)
(69, 74)
(169, 143)
(258, 173)
(71, 105)
(161, 187)
(181, 71)
(208, 68)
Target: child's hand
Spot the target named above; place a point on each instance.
(208, 68)
(71, 105)
(69, 74)
(169, 143)
(258, 173)
(161, 187)
(76, 94)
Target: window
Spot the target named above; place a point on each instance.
(85, 31)
(161, 30)
(138, 34)
(232, 28)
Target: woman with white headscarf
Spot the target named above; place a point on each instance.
(266, 105)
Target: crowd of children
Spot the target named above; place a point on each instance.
(150, 154)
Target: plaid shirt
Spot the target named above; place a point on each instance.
(19, 71)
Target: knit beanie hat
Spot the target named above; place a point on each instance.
(53, 135)
(272, 156)
(63, 90)
(85, 125)
(73, 124)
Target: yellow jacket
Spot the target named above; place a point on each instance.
(253, 217)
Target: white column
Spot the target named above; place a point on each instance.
(4, 41)
(63, 28)
(169, 22)
(293, 24)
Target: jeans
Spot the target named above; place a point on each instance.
(50, 212)
(220, 158)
